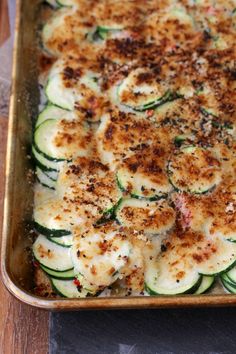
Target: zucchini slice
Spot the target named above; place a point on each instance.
(103, 32)
(206, 284)
(69, 84)
(69, 274)
(52, 3)
(67, 288)
(194, 170)
(231, 274)
(67, 3)
(143, 175)
(42, 194)
(44, 179)
(51, 255)
(59, 140)
(51, 220)
(113, 141)
(63, 27)
(90, 184)
(58, 95)
(184, 259)
(149, 217)
(166, 283)
(140, 91)
(53, 175)
(99, 254)
(54, 112)
(222, 221)
(64, 241)
(45, 164)
(173, 19)
(228, 285)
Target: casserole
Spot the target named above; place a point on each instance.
(16, 266)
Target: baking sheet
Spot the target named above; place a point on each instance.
(16, 241)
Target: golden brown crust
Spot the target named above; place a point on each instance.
(185, 53)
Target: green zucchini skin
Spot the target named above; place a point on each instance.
(228, 284)
(52, 256)
(50, 233)
(39, 144)
(67, 288)
(59, 275)
(168, 97)
(43, 163)
(138, 195)
(191, 289)
(61, 240)
(231, 274)
(182, 180)
(205, 285)
(44, 179)
(109, 214)
(52, 3)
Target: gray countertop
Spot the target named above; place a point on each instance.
(167, 331)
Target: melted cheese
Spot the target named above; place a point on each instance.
(149, 86)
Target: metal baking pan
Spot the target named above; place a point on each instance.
(15, 257)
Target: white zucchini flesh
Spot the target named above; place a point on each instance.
(64, 241)
(90, 183)
(175, 17)
(178, 268)
(149, 217)
(53, 3)
(211, 105)
(63, 26)
(44, 179)
(143, 175)
(54, 112)
(228, 285)
(99, 254)
(222, 222)
(67, 288)
(213, 214)
(57, 215)
(180, 14)
(105, 32)
(190, 170)
(141, 94)
(141, 186)
(206, 284)
(232, 274)
(69, 274)
(44, 163)
(67, 3)
(78, 91)
(113, 141)
(58, 95)
(62, 140)
(51, 255)
(118, 14)
(161, 282)
(53, 175)
(42, 194)
(221, 255)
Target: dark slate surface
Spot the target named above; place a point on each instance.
(182, 331)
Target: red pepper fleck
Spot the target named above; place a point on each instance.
(211, 10)
(76, 282)
(36, 264)
(150, 112)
